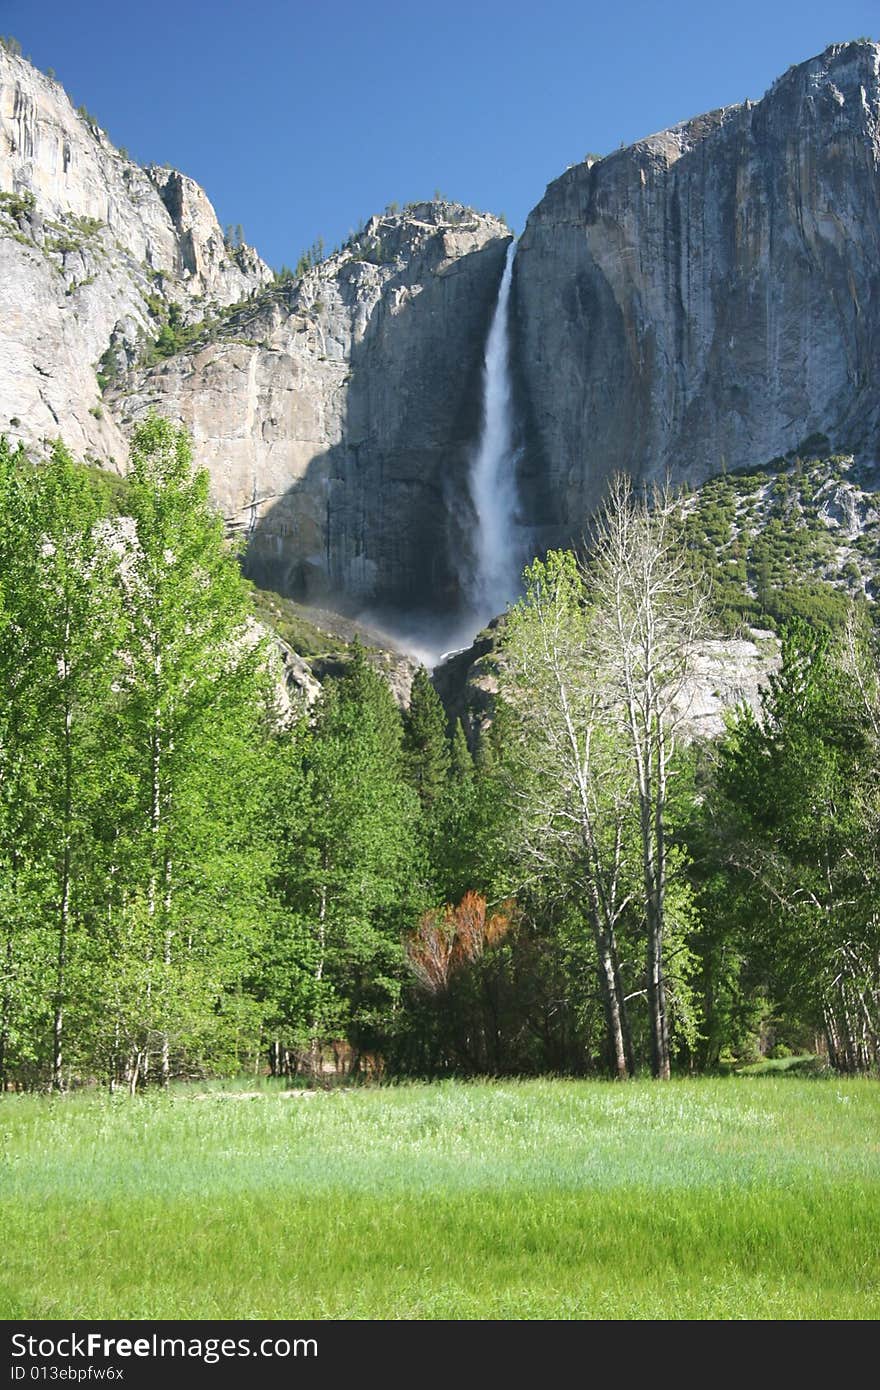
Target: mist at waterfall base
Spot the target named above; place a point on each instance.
(490, 562)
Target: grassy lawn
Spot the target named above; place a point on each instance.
(735, 1198)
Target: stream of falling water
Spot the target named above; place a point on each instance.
(494, 579)
(491, 563)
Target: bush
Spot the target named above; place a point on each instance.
(86, 115)
(106, 368)
(17, 205)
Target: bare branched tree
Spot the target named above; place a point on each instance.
(599, 658)
(566, 775)
(648, 618)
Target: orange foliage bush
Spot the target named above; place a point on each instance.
(448, 938)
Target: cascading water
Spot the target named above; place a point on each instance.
(490, 580)
(494, 579)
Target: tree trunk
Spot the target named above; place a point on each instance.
(616, 1030)
(166, 1047)
(60, 974)
(168, 936)
(615, 1011)
(651, 798)
(831, 1040)
(319, 975)
(135, 1067)
(64, 905)
(660, 1063)
(6, 1011)
(624, 1012)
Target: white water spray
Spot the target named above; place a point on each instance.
(495, 577)
(491, 580)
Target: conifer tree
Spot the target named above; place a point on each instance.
(800, 803)
(461, 763)
(426, 747)
(348, 873)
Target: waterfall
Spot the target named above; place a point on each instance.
(494, 579)
(490, 568)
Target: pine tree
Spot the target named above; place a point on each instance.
(800, 806)
(461, 763)
(348, 866)
(426, 747)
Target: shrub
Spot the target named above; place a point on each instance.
(106, 368)
(17, 205)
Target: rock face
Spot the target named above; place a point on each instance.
(726, 674)
(707, 298)
(94, 251)
(336, 415)
(703, 300)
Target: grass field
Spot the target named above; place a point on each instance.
(734, 1198)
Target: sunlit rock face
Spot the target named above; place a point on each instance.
(703, 300)
(337, 414)
(725, 674)
(93, 252)
(708, 297)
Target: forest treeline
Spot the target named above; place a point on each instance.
(198, 878)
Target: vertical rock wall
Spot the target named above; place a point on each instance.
(707, 298)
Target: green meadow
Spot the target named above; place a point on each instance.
(752, 1197)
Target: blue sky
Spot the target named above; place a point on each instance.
(300, 119)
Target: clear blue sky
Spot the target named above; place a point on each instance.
(300, 118)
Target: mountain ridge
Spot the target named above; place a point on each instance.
(700, 300)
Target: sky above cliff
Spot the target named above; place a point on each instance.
(302, 119)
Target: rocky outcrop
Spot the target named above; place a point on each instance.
(94, 251)
(707, 298)
(336, 414)
(726, 673)
(467, 682)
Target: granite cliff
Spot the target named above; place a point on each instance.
(699, 302)
(335, 412)
(707, 298)
(95, 252)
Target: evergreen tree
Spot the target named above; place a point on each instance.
(350, 866)
(799, 818)
(426, 747)
(457, 840)
(461, 763)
